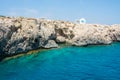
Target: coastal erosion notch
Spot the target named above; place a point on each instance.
(20, 35)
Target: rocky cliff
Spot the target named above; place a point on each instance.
(18, 35)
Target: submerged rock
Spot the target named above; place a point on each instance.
(18, 35)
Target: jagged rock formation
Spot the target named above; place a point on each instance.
(18, 35)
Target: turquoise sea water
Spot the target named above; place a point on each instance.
(67, 63)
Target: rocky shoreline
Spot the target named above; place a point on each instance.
(20, 35)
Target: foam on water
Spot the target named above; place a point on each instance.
(67, 63)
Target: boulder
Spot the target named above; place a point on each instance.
(51, 44)
(60, 39)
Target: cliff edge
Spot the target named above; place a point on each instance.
(18, 35)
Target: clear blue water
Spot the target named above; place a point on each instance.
(67, 63)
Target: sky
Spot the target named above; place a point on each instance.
(94, 11)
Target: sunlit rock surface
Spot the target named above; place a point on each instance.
(18, 35)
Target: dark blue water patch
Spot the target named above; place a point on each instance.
(67, 63)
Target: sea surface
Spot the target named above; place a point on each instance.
(100, 62)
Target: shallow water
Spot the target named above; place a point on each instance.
(67, 63)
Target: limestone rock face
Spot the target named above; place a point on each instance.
(18, 35)
(60, 39)
(51, 44)
(5, 35)
(91, 34)
(115, 32)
